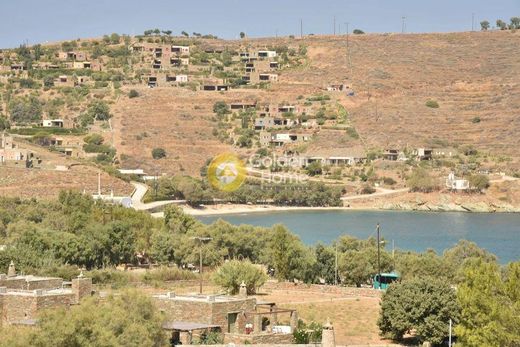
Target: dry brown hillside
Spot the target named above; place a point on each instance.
(471, 76)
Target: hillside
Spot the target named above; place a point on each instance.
(470, 75)
(312, 98)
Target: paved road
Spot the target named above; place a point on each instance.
(139, 193)
(379, 192)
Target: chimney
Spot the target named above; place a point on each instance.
(242, 292)
(327, 335)
(11, 272)
(81, 287)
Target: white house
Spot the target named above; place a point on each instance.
(52, 123)
(181, 49)
(266, 54)
(454, 183)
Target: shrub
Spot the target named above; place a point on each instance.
(421, 181)
(475, 120)
(25, 109)
(368, 189)
(352, 133)
(389, 181)
(233, 273)
(358, 32)
(479, 182)
(314, 168)
(133, 94)
(158, 153)
(99, 110)
(432, 104)
(93, 139)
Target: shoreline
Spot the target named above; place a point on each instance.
(215, 210)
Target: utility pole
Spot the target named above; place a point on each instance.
(334, 25)
(336, 266)
(201, 239)
(301, 28)
(449, 339)
(339, 29)
(378, 256)
(473, 21)
(403, 25)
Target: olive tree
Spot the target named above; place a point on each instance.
(422, 306)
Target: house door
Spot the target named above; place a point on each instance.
(232, 322)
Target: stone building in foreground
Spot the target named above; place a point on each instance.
(22, 297)
(239, 318)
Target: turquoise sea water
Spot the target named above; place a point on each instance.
(417, 231)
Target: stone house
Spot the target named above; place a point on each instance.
(423, 154)
(11, 152)
(23, 297)
(239, 318)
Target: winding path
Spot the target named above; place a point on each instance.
(139, 193)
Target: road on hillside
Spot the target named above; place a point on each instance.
(139, 193)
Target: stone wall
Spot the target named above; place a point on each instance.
(81, 287)
(188, 311)
(264, 338)
(18, 307)
(262, 345)
(220, 312)
(26, 305)
(44, 283)
(26, 283)
(54, 301)
(208, 312)
(12, 283)
(317, 288)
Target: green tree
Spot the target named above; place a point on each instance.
(25, 109)
(421, 181)
(479, 182)
(221, 108)
(358, 266)
(515, 22)
(4, 123)
(133, 94)
(484, 25)
(423, 306)
(242, 34)
(501, 24)
(130, 319)
(158, 153)
(185, 34)
(99, 110)
(314, 168)
(325, 263)
(358, 32)
(115, 38)
(289, 258)
(232, 273)
(489, 306)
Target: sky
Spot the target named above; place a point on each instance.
(38, 21)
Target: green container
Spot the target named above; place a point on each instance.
(386, 279)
